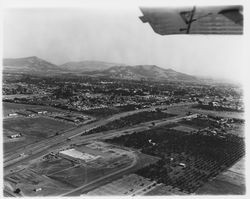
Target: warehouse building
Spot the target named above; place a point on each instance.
(75, 155)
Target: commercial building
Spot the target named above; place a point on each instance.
(75, 155)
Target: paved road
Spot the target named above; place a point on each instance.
(44, 144)
(36, 148)
(92, 137)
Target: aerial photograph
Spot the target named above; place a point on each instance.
(123, 101)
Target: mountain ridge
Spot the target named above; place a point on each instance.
(87, 65)
(146, 72)
(34, 64)
(28, 64)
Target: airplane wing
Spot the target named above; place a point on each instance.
(195, 20)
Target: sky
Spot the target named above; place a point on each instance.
(60, 35)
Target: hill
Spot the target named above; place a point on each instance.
(83, 66)
(138, 72)
(35, 65)
(29, 65)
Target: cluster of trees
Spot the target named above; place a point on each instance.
(131, 120)
(204, 156)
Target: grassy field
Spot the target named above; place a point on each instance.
(32, 129)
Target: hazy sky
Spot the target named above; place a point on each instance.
(60, 35)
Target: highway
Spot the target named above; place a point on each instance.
(35, 148)
(92, 137)
(43, 147)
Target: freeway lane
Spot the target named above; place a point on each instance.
(44, 144)
(92, 137)
(35, 148)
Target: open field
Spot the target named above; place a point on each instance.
(32, 130)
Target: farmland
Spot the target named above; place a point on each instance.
(188, 160)
(71, 136)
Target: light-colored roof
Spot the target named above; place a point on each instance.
(79, 155)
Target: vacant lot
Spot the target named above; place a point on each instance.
(32, 129)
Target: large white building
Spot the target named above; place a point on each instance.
(72, 153)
